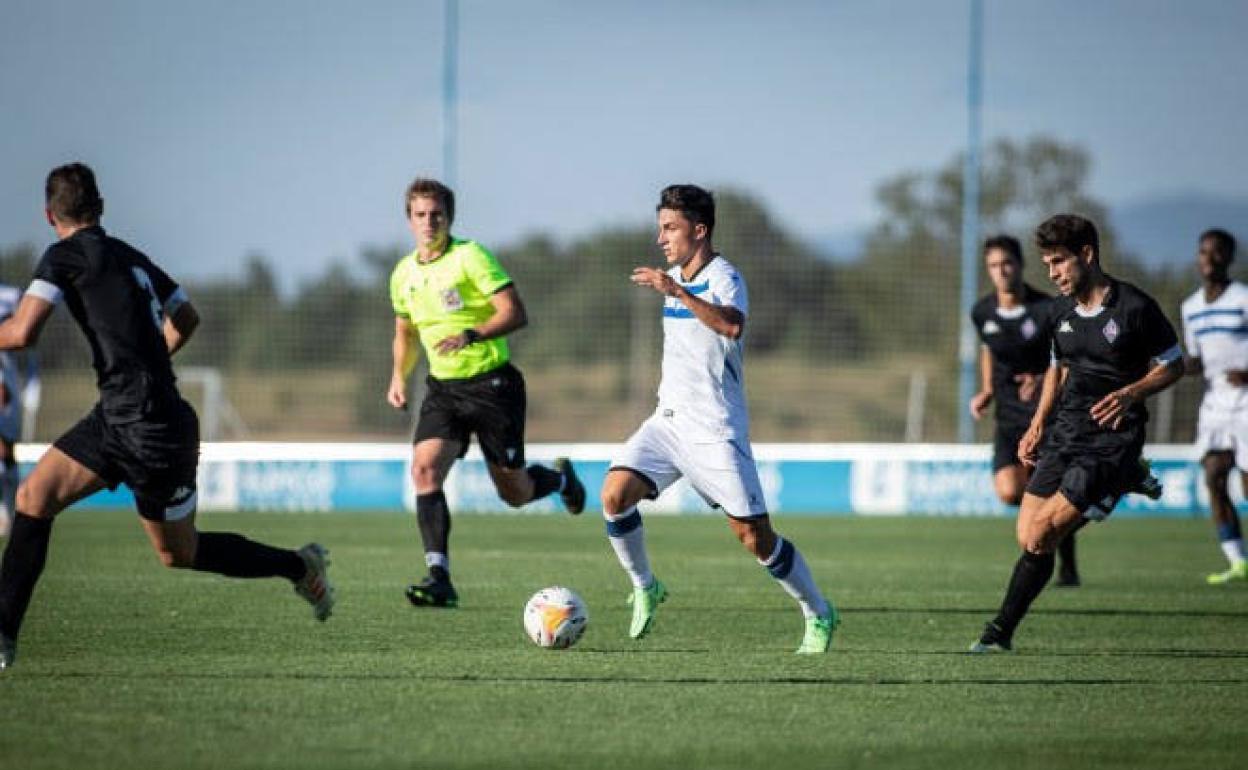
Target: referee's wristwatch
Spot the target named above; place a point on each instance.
(472, 336)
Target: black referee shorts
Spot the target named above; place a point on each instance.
(491, 405)
(1088, 464)
(156, 457)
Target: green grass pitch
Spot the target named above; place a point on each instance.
(124, 664)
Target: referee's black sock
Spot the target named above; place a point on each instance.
(1066, 551)
(24, 557)
(545, 480)
(1031, 574)
(226, 553)
(434, 519)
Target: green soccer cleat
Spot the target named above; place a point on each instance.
(1237, 572)
(645, 602)
(819, 630)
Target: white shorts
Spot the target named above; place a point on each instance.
(722, 471)
(1221, 430)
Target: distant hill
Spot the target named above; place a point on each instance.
(1162, 230)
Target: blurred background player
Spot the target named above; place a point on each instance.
(10, 414)
(1013, 324)
(1215, 328)
(141, 432)
(1112, 348)
(454, 298)
(701, 428)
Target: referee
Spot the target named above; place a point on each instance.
(454, 298)
(1112, 348)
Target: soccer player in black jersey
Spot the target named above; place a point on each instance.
(1013, 324)
(140, 432)
(1112, 348)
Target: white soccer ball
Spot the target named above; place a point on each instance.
(555, 617)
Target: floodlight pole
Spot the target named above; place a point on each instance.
(450, 92)
(970, 224)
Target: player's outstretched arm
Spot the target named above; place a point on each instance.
(23, 328)
(179, 326)
(405, 352)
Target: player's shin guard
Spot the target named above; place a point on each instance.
(434, 519)
(24, 557)
(545, 481)
(226, 553)
(789, 569)
(628, 538)
(1031, 574)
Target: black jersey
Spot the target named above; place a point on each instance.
(1018, 339)
(1111, 349)
(119, 299)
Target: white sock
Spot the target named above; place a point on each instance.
(435, 559)
(628, 538)
(789, 569)
(1234, 550)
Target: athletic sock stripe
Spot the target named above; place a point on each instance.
(780, 566)
(1229, 531)
(623, 525)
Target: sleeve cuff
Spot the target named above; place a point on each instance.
(1171, 355)
(44, 290)
(175, 301)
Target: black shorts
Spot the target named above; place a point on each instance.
(1005, 443)
(491, 405)
(1088, 465)
(156, 457)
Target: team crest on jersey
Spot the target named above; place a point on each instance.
(1110, 331)
(451, 301)
(990, 327)
(1028, 329)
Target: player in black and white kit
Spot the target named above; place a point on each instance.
(1112, 348)
(1013, 326)
(140, 432)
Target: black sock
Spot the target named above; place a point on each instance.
(24, 557)
(1031, 574)
(226, 553)
(434, 519)
(545, 480)
(1066, 551)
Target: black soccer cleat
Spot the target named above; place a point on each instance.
(432, 592)
(1068, 578)
(993, 640)
(573, 493)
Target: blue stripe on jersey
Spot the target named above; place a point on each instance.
(1223, 329)
(729, 368)
(1206, 313)
(677, 312)
(698, 288)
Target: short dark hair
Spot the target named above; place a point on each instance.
(697, 205)
(1222, 241)
(1069, 231)
(1007, 243)
(430, 188)
(72, 196)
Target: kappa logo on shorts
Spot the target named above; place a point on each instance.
(1110, 331)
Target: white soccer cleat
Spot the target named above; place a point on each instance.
(314, 586)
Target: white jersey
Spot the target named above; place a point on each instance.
(1217, 333)
(9, 297)
(702, 378)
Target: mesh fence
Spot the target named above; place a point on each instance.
(837, 350)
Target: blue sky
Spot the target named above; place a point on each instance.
(291, 128)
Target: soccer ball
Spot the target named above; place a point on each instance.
(555, 617)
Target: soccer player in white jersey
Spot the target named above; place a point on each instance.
(10, 415)
(1215, 328)
(701, 428)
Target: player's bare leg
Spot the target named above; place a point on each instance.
(621, 491)
(432, 459)
(57, 482)
(1009, 483)
(786, 564)
(1042, 524)
(1217, 467)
